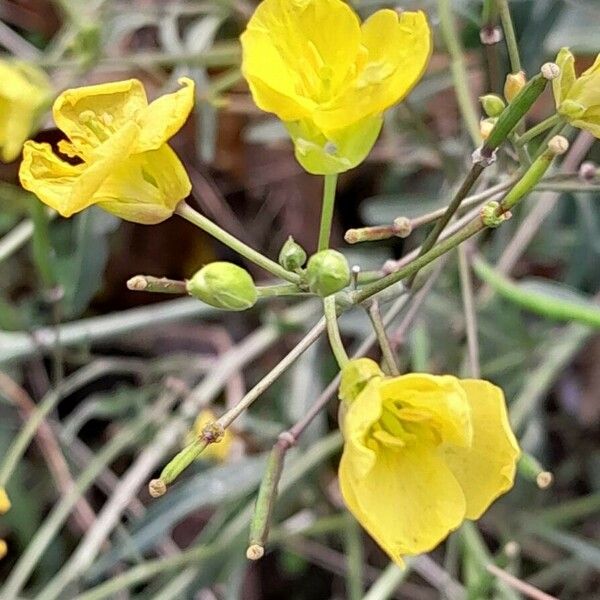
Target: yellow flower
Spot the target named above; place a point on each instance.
(578, 98)
(218, 451)
(126, 167)
(329, 78)
(421, 454)
(24, 94)
(4, 508)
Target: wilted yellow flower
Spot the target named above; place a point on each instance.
(421, 454)
(578, 98)
(24, 94)
(218, 451)
(126, 167)
(329, 78)
(4, 508)
(513, 84)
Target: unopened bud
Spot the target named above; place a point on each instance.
(486, 126)
(514, 83)
(588, 170)
(292, 255)
(157, 488)
(558, 145)
(492, 104)
(550, 71)
(224, 285)
(327, 272)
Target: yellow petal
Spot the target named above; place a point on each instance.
(24, 92)
(300, 50)
(4, 501)
(3, 549)
(362, 414)
(165, 116)
(337, 152)
(409, 501)
(398, 47)
(146, 187)
(487, 469)
(48, 177)
(90, 115)
(563, 83)
(586, 89)
(437, 401)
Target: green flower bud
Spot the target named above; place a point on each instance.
(292, 256)
(327, 272)
(355, 376)
(223, 285)
(492, 104)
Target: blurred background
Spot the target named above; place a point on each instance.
(127, 360)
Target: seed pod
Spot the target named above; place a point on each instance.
(223, 285)
(327, 272)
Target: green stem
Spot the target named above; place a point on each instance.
(509, 35)
(335, 340)
(41, 247)
(353, 546)
(459, 71)
(538, 129)
(382, 338)
(389, 581)
(187, 212)
(472, 228)
(282, 289)
(537, 302)
(327, 211)
(460, 195)
(466, 287)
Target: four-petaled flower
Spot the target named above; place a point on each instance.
(24, 94)
(329, 78)
(421, 454)
(125, 165)
(578, 98)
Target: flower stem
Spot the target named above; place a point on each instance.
(327, 211)
(382, 338)
(509, 35)
(459, 71)
(187, 212)
(335, 340)
(281, 289)
(466, 287)
(538, 129)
